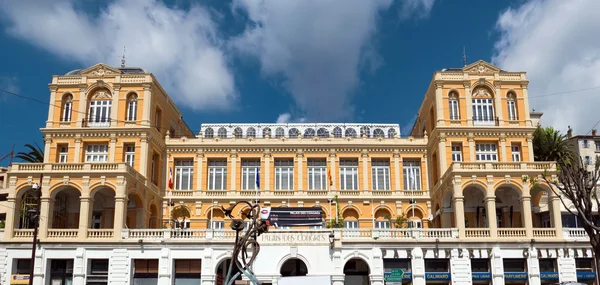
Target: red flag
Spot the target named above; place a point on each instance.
(170, 178)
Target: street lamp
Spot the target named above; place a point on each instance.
(331, 239)
(37, 188)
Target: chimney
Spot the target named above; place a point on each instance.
(569, 132)
(594, 132)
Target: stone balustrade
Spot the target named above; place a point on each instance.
(502, 166)
(100, 233)
(197, 194)
(63, 233)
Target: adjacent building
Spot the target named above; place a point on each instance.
(130, 195)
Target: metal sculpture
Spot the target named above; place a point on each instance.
(246, 242)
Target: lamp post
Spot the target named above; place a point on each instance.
(37, 187)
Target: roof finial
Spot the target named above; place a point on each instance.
(464, 56)
(123, 58)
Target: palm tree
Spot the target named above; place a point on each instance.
(35, 154)
(550, 145)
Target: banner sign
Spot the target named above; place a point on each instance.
(515, 276)
(549, 276)
(19, 279)
(389, 277)
(295, 238)
(437, 276)
(586, 276)
(288, 216)
(482, 276)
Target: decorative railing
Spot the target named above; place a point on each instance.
(182, 193)
(143, 233)
(575, 234)
(453, 76)
(511, 76)
(385, 234)
(69, 80)
(62, 233)
(23, 233)
(477, 233)
(503, 165)
(187, 234)
(133, 78)
(511, 233)
(101, 233)
(544, 233)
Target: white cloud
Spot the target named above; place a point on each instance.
(9, 83)
(556, 42)
(284, 118)
(316, 46)
(419, 8)
(182, 48)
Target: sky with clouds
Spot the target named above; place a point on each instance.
(301, 61)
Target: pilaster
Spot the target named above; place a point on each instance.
(147, 103)
(81, 109)
(77, 150)
(418, 266)
(468, 102)
(498, 103)
(144, 156)
(79, 266)
(11, 218)
(52, 106)
(567, 268)
(47, 145)
(365, 170)
(526, 210)
(233, 163)
(164, 267)
(471, 141)
(533, 267)
(459, 207)
(525, 92)
(112, 148)
(439, 104)
(397, 170)
(556, 215)
(267, 159)
(39, 269)
(118, 272)
(497, 265)
(114, 112)
(503, 149)
(490, 206)
(44, 217)
(200, 170)
(530, 147)
(460, 266)
(443, 166)
(300, 163)
(426, 172)
(332, 169)
(120, 206)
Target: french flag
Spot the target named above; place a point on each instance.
(257, 178)
(170, 178)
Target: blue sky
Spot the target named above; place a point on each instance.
(293, 61)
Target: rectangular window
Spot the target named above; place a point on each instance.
(145, 271)
(514, 265)
(512, 110)
(382, 224)
(412, 175)
(217, 174)
(480, 265)
(516, 153)
(456, 152)
(23, 266)
(284, 174)
(249, 171)
(437, 265)
(348, 174)
(454, 113)
(99, 114)
(187, 271)
(486, 152)
(317, 174)
(380, 174)
(414, 224)
(483, 112)
(597, 146)
(67, 110)
(586, 144)
(548, 265)
(96, 153)
(184, 174)
(157, 118)
(153, 168)
(351, 224)
(587, 160)
(217, 225)
(129, 154)
(61, 271)
(63, 153)
(584, 264)
(97, 272)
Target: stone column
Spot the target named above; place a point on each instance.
(120, 206)
(84, 219)
(267, 180)
(11, 218)
(52, 106)
(397, 171)
(200, 170)
(556, 215)
(44, 217)
(468, 102)
(300, 159)
(165, 266)
(418, 266)
(114, 109)
(490, 206)
(530, 147)
(365, 169)
(526, 213)
(82, 108)
(147, 101)
(233, 163)
(497, 265)
(47, 145)
(111, 149)
(503, 149)
(332, 169)
(439, 104)
(144, 156)
(459, 207)
(471, 147)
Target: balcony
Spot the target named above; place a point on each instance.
(485, 121)
(196, 194)
(96, 123)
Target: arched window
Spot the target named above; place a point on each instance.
(293, 133)
(378, 133)
(279, 132)
(251, 132)
(323, 133)
(350, 132)
(209, 133)
(100, 108)
(222, 133)
(483, 107)
(365, 131)
(266, 132)
(453, 105)
(132, 108)
(309, 133)
(391, 133)
(238, 133)
(67, 108)
(337, 132)
(512, 106)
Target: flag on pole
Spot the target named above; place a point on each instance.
(170, 178)
(257, 178)
(329, 177)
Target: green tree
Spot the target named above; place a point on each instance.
(550, 145)
(34, 155)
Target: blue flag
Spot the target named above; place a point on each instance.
(257, 178)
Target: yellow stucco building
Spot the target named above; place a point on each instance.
(458, 188)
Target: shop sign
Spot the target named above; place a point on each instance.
(586, 276)
(390, 277)
(482, 276)
(293, 216)
(549, 276)
(299, 237)
(515, 276)
(437, 276)
(19, 279)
